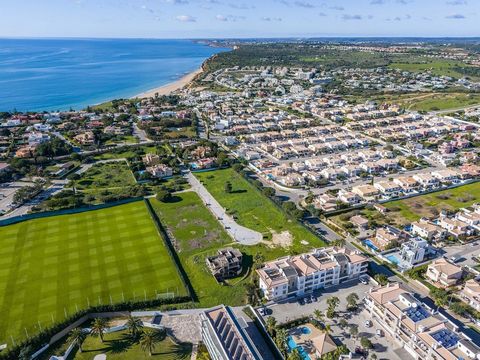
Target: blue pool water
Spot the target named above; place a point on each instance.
(306, 330)
(51, 74)
(370, 245)
(293, 345)
(393, 259)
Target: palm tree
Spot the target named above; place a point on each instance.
(135, 326)
(99, 326)
(78, 337)
(318, 315)
(271, 325)
(281, 341)
(343, 323)
(327, 329)
(352, 300)
(150, 338)
(294, 355)
(332, 302)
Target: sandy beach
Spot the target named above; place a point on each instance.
(167, 89)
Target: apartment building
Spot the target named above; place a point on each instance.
(301, 274)
(421, 330)
(444, 273)
(224, 337)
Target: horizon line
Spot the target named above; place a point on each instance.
(291, 37)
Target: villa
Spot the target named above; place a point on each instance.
(444, 273)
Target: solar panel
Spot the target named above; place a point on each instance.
(417, 313)
(446, 337)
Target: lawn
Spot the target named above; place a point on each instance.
(119, 346)
(255, 211)
(198, 234)
(412, 209)
(49, 267)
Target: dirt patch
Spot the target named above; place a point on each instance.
(282, 239)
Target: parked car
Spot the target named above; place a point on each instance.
(380, 332)
(364, 280)
(368, 323)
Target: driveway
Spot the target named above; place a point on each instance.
(239, 233)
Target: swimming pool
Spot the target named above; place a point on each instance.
(370, 244)
(305, 330)
(393, 259)
(293, 345)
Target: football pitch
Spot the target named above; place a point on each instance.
(51, 267)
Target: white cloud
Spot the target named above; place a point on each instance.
(186, 18)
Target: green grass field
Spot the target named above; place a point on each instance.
(437, 67)
(57, 264)
(119, 346)
(253, 210)
(424, 101)
(198, 234)
(109, 175)
(409, 210)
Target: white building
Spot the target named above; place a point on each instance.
(413, 251)
(302, 274)
(422, 331)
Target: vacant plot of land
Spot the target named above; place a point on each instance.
(426, 101)
(444, 102)
(438, 67)
(109, 175)
(408, 210)
(253, 210)
(198, 234)
(53, 266)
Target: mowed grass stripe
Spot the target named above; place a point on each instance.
(55, 265)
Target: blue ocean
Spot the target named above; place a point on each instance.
(59, 74)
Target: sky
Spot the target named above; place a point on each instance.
(238, 18)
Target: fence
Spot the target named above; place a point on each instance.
(171, 250)
(21, 218)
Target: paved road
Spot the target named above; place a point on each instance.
(323, 229)
(140, 134)
(240, 233)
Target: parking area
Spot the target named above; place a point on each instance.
(463, 253)
(384, 346)
(7, 190)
